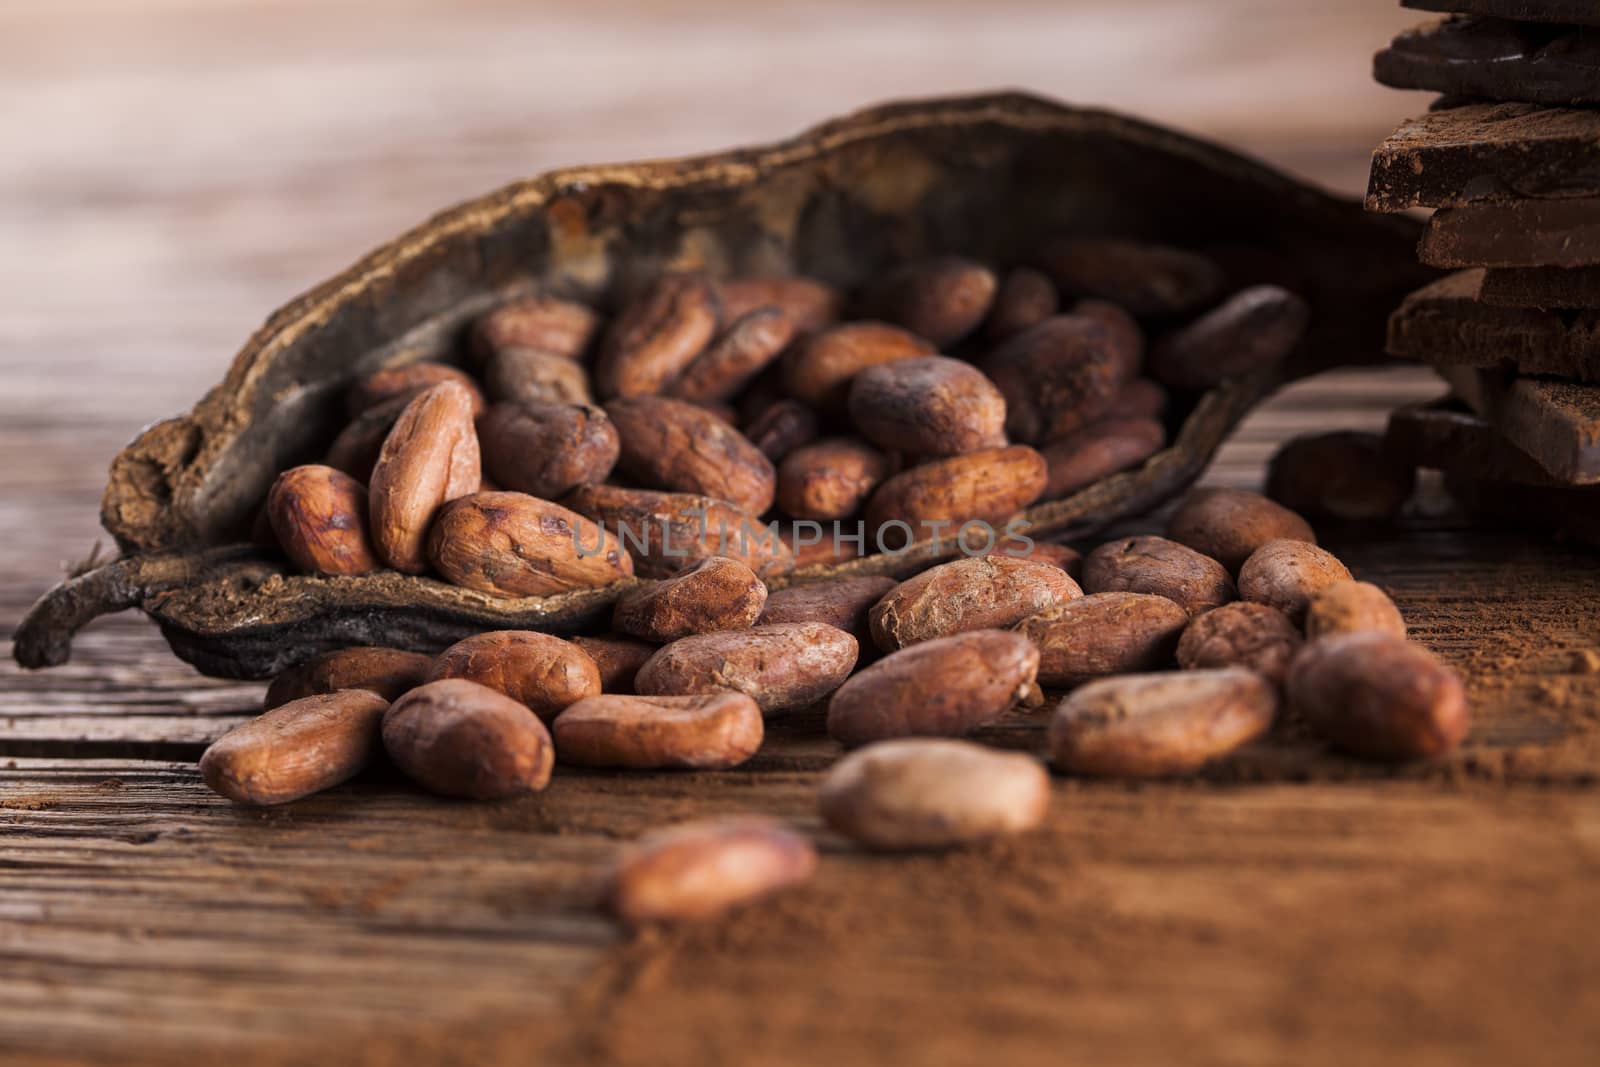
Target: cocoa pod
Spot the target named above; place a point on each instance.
(534, 376)
(1056, 377)
(619, 659)
(1160, 725)
(542, 672)
(988, 487)
(1242, 634)
(780, 666)
(706, 733)
(818, 369)
(1156, 565)
(1026, 298)
(674, 445)
(941, 299)
(1343, 475)
(429, 459)
(667, 532)
(656, 336)
(299, 748)
(1378, 696)
(941, 688)
(781, 427)
(1148, 280)
(1104, 633)
(355, 451)
(928, 405)
(1351, 607)
(839, 602)
(1098, 451)
(714, 594)
(698, 870)
(829, 479)
(977, 593)
(461, 739)
(1230, 524)
(1254, 329)
(388, 672)
(811, 304)
(749, 344)
(1287, 574)
(319, 518)
(406, 383)
(545, 323)
(927, 793)
(546, 450)
(513, 545)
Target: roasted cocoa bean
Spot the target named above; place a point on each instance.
(782, 427)
(749, 344)
(1026, 298)
(1344, 475)
(300, 748)
(698, 870)
(941, 299)
(1149, 564)
(1241, 634)
(1254, 329)
(1056, 377)
(819, 368)
(830, 479)
(388, 672)
(811, 304)
(929, 406)
(1230, 524)
(538, 670)
(429, 459)
(514, 545)
(675, 445)
(546, 450)
(667, 532)
(707, 733)
(407, 382)
(534, 376)
(781, 666)
(461, 739)
(936, 498)
(619, 659)
(355, 451)
(656, 336)
(1104, 633)
(1127, 339)
(1098, 451)
(546, 323)
(1378, 696)
(1351, 607)
(1022, 547)
(715, 594)
(1287, 574)
(976, 593)
(319, 517)
(839, 602)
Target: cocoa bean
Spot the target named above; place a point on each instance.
(706, 733)
(1230, 524)
(656, 336)
(698, 870)
(829, 479)
(977, 593)
(1378, 696)
(780, 666)
(297, 749)
(1104, 633)
(928, 405)
(1287, 574)
(715, 594)
(818, 369)
(671, 444)
(1056, 377)
(1254, 329)
(1149, 564)
(535, 669)
(546, 450)
(319, 517)
(1242, 634)
(461, 739)
(429, 459)
(515, 545)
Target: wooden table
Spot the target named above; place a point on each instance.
(176, 168)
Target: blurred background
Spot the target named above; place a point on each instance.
(173, 170)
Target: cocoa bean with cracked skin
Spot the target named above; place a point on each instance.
(928, 793)
(701, 869)
(408, 381)
(942, 688)
(619, 659)
(547, 323)
(977, 593)
(1160, 725)
(546, 450)
(1056, 377)
(707, 733)
(1343, 475)
(781, 427)
(674, 445)
(938, 497)
(780, 666)
(1150, 564)
(928, 405)
(1242, 634)
(355, 451)
(1251, 331)
(514, 545)
(746, 348)
(1098, 451)
(535, 669)
(319, 518)
(1147, 280)
(1351, 607)
(941, 299)
(666, 532)
(1026, 297)
(818, 369)
(1229, 524)
(429, 459)
(830, 479)
(812, 304)
(297, 749)
(1287, 574)
(1378, 696)
(839, 602)
(656, 336)
(1102, 634)
(715, 594)
(389, 672)
(461, 739)
(535, 376)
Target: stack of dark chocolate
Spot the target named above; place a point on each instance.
(1510, 157)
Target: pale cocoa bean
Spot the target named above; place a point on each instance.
(1378, 696)
(714, 594)
(781, 427)
(407, 382)
(819, 368)
(1343, 475)
(707, 733)
(928, 405)
(1139, 398)
(1287, 574)
(1026, 298)
(674, 445)
(429, 459)
(547, 323)
(1127, 339)
(300, 748)
(535, 669)
(781, 666)
(977, 593)
(1254, 329)
(656, 336)
(937, 497)
(926, 793)
(534, 376)
(812, 304)
(941, 688)
(667, 532)
(1149, 564)
(1098, 451)
(1230, 524)
(319, 518)
(941, 299)
(355, 451)
(1104, 633)
(830, 479)
(461, 739)
(751, 343)
(515, 545)
(1241, 634)
(1351, 607)
(839, 602)
(1056, 377)
(387, 672)
(698, 870)
(1160, 725)
(546, 450)
(619, 659)
(1146, 279)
